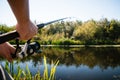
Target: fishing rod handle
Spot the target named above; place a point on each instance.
(8, 36)
(14, 34)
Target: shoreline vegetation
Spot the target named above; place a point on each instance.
(91, 32)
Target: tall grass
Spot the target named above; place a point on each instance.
(26, 74)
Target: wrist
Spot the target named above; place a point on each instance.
(23, 21)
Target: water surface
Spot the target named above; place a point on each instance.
(77, 63)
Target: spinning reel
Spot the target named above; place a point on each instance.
(27, 50)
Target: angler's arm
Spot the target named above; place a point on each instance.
(24, 27)
(20, 9)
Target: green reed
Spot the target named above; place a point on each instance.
(26, 74)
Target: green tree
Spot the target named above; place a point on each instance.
(114, 30)
(86, 31)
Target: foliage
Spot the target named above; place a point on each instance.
(88, 32)
(66, 42)
(26, 74)
(4, 28)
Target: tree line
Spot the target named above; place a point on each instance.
(78, 32)
(92, 31)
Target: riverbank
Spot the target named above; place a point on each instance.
(77, 46)
(80, 46)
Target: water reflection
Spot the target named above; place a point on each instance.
(80, 63)
(103, 57)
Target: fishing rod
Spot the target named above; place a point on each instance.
(29, 48)
(14, 34)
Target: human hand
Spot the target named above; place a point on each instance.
(6, 50)
(26, 30)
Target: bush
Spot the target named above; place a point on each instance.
(66, 42)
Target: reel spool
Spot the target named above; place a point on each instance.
(33, 47)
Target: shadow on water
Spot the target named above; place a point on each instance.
(79, 63)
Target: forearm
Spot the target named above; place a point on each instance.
(20, 9)
(24, 26)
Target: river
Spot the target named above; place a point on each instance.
(85, 63)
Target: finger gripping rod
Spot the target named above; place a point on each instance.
(14, 34)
